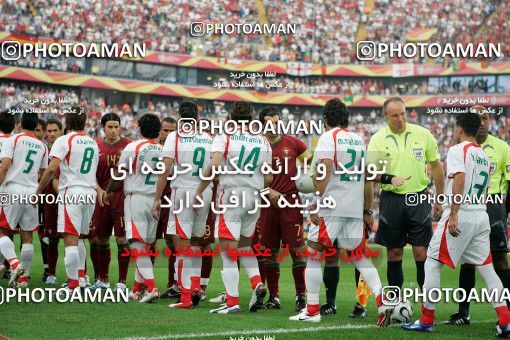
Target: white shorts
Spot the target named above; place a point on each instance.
(74, 219)
(140, 225)
(24, 214)
(472, 246)
(237, 222)
(184, 223)
(347, 231)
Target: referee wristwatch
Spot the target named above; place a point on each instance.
(368, 211)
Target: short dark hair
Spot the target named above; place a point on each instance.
(335, 113)
(391, 100)
(242, 110)
(29, 121)
(150, 126)
(7, 122)
(188, 109)
(110, 117)
(54, 121)
(41, 122)
(76, 119)
(469, 122)
(169, 120)
(270, 111)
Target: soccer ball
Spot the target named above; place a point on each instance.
(305, 184)
(402, 312)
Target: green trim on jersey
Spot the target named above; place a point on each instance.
(407, 154)
(498, 152)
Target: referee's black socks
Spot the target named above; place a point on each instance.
(395, 274)
(466, 282)
(420, 273)
(331, 278)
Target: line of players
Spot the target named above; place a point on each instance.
(76, 157)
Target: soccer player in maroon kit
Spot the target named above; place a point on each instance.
(283, 225)
(53, 131)
(112, 216)
(172, 289)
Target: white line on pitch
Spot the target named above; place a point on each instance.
(267, 331)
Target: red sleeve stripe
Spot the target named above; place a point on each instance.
(137, 151)
(70, 145)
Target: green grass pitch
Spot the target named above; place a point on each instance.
(158, 321)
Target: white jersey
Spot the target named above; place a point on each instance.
(345, 147)
(470, 159)
(3, 138)
(79, 155)
(185, 151)
(247, 151)
(142, 156)
(28, 155)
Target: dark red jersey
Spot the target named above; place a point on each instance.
(293, 149)
(109, 155)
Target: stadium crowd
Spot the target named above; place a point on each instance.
(326, 30)
(14, 96)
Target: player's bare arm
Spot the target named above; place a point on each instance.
(216, 159)
(438, 178)
(368, 218)
(113, 186)
(457, 189)
(48, 174)
(168, 164)
(4, 167)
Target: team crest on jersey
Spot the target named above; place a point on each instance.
(508, 168)
(418, 153)
(493, 168)
(286, 152)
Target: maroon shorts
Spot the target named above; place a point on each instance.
(208, 237)
(163, 224)
(281, 226)
(109, 218)
(50, 221)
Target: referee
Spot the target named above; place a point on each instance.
(407, 149)
(498, 152)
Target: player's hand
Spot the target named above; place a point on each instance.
(199, 199)
(107, 197)
(274, 196)
(100, 196)
(156, 207)
(437, 211)
(368, 220)
(398, 181)
(453, 225)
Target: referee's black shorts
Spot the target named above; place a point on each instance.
(400, 224)
(497, 219)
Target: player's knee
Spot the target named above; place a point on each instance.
(395, 254)
(332, 261)
(500, 261)
(120, 239)
(467, 266)
(103, 240)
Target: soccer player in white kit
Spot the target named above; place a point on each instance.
(344, 223)
(462, 234)
(139, 189)
(7, 123)
(23, 157)
(77, 155)
(183, 149)
(236, 226)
